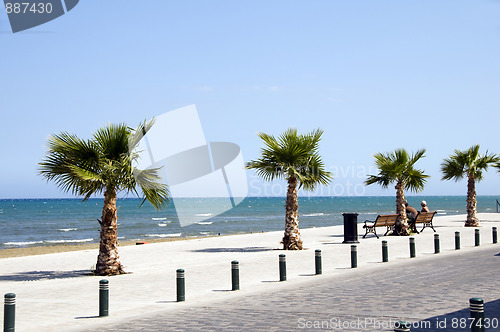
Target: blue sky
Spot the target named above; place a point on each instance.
(374, 75)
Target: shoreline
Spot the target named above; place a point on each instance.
(58, 248)
(61, 248)
(74, 229)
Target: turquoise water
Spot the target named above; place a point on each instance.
(28, 222)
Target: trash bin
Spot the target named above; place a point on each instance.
(350, 228)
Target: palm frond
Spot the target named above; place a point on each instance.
(113, 140)
(398, 167)
(384, 181)
(88, 167)
(267, 168)
(415, 180)
(497, 164)
(292, 155)
(139, 133)
(453, 168)
(69, 162)
(417, 156)
(155, 191)
(467, 163)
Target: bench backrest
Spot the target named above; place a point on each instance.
(386, 220)
(423, 217)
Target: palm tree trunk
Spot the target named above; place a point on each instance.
(472, 220)
(108, 262)
(402, 221)
(291, 239)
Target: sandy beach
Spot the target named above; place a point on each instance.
(56, 293)
(51, 249)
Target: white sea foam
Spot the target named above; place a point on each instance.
(164, 235)
(205, 223)
(313, 214)
(204, 214)
(157, 219)
(69, 241)
(205, 233)
(67, 229)
(163, 225)
(22, 243)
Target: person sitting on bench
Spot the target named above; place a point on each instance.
(411, 213)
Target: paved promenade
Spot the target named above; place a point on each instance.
(433, 294)
(54, 292)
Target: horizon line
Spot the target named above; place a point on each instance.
(340, 196)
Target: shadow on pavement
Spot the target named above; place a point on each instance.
(172, 301)
(247, 249)
(45, 275)
(88, 317)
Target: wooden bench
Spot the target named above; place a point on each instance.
(423, 218)
(387, 220)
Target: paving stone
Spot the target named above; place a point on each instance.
(429, 292)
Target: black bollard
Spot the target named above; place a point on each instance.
(436, 244)
(385, 252)
(317, 261)
(412, 247)
(494, 235)
(477, 314)
(235, 275)
(9, 312)
(457, 240)
(476, 237)
(181, 286)
(103, 298)
(282, 262)
(354, 256)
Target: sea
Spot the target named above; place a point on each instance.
(39, 222)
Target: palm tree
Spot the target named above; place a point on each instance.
(470, 164)
(99, 165)
(295, 158)
(398, 167)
